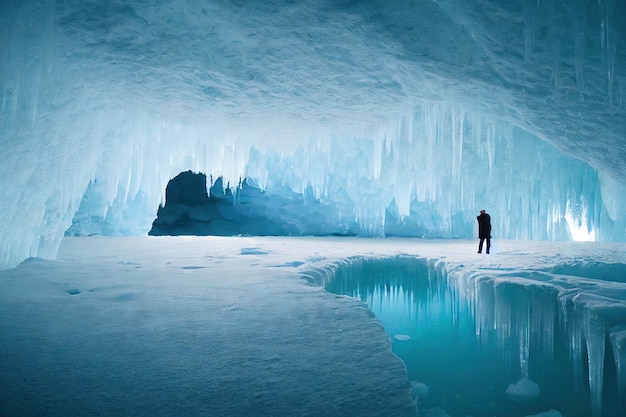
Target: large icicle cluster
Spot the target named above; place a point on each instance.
(423, 173)
(431, 169)
(529, 308)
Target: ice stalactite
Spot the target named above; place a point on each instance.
(617, 336)
(543, 319)
(503, 319)
(576, 344)
(595, 335)
(485, 309)
(523, 325)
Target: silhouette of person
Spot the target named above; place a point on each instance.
(484, 230)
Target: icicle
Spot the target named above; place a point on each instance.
(617, 336)
(485, 309)
(571, 321)
(542, 323)
(595, 335)
(503, 320)
(524, 348)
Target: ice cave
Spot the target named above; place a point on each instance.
(268, 208)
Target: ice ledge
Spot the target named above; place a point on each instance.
(529, 303)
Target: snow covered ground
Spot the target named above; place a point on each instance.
(238, 326)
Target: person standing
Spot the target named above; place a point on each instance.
(484, 230)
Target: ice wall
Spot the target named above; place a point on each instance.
(424, 173)
(403, 115)
(433, 168)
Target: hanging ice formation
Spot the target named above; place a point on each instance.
(530, 314)
(424, 173)
(531, 307)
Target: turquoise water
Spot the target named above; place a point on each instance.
(466, 374)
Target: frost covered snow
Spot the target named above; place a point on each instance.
(216, 326)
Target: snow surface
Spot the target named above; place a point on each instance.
(242, 326)
(430, 110)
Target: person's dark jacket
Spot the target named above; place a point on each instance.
(484, 226)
